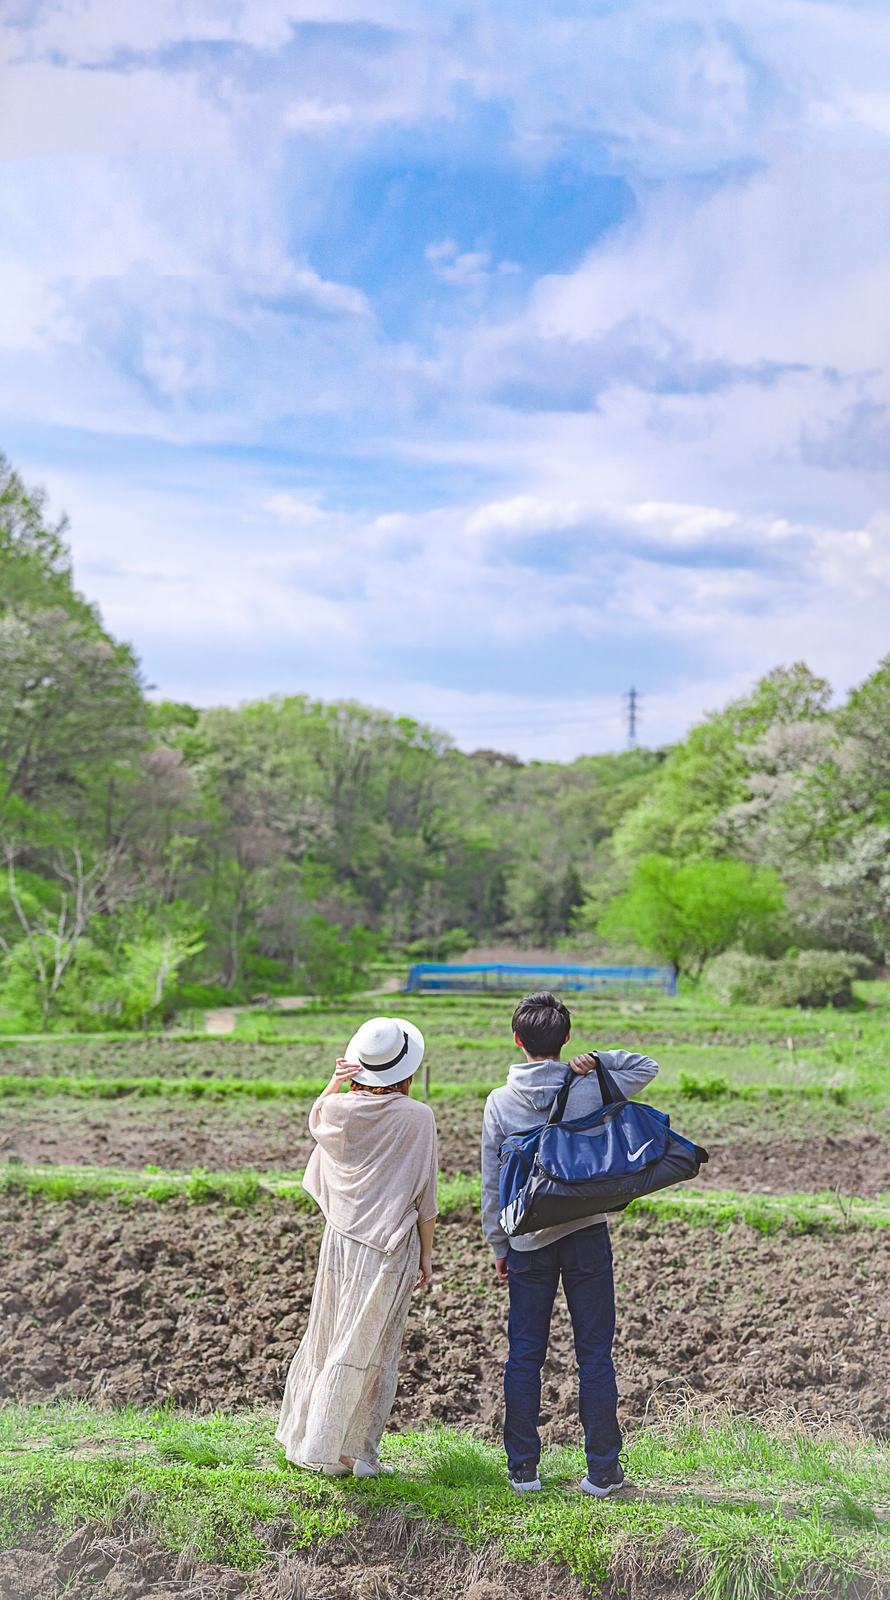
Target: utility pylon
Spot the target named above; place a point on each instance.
(632, 704)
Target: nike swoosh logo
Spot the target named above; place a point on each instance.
(632, 1154)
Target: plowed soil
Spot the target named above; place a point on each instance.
(204, 1306)
(755, 1149)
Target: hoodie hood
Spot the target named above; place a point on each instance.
(537, 1081)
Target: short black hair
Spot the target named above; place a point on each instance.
(542, 1023)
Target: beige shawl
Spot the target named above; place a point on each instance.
(374, 1168)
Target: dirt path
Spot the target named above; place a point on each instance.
(222, 1018)
(204, 1305)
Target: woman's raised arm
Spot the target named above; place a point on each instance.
(344, 1072)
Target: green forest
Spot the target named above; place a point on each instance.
(157, 857)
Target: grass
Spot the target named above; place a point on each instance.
(714, 1208)
(729, 1509)
(198, 1186)
(687, 1087)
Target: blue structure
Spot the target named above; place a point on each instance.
(433, 977)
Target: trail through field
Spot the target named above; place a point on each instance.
(221, 1019)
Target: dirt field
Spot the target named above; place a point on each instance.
(204, 1306)
(755, 1149)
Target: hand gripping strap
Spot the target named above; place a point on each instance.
(608, 1089)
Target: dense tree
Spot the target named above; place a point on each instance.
(72, 717)
(688, 912)
(35, 561)
(705, 776)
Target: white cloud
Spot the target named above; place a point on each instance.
(298, 513)
(524, 514)
(313, 116)
(463, 269)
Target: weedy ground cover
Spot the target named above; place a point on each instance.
(715, 1208)
(736, 1509)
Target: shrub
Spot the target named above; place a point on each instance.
(205, 996)
(440, 947)
(803, 978)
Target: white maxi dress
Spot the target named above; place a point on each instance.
(373, 1173)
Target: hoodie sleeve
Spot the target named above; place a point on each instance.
(630, 1071)
(492, 1134)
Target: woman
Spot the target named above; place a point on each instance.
(373, 1173)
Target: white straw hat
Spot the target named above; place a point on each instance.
(389, 1050)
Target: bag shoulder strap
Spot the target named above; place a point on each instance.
(609, 1090)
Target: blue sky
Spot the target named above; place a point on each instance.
(476, 362)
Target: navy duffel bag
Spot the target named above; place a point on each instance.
(563, 1171)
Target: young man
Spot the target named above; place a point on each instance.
(580, 1252)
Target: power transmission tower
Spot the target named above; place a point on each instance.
(632, 705)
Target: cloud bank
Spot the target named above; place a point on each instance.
(473, 364)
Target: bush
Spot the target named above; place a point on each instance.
(205, 996)
(440, 947)
(803, 978)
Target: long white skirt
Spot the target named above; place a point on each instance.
(342, 1381)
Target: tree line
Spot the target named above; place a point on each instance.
(155, 854)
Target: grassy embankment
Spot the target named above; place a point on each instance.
(730, 1510)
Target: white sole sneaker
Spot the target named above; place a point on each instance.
(525, 1488)
(601, 1490)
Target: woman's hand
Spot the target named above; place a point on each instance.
(344, 1072)
(584, 1064)
(425, 1275)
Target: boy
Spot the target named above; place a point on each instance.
(580, 1252)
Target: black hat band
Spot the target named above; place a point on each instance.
(384, 1066)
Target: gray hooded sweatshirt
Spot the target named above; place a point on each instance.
(523, 1103)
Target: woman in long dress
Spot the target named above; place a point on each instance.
(373, 1173)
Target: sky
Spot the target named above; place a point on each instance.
(475, 361)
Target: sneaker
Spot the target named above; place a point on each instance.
(523, 1479)
(609, 1483)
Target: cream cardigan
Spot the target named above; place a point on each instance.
(374, 1168)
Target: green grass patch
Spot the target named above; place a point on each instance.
(714, 1208)
(687, 1089)
(88, 1086)
(198, 1186)
(725, 1509)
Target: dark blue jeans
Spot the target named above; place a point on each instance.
(585, 1261)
